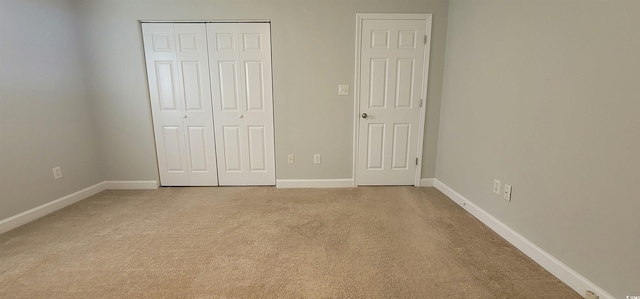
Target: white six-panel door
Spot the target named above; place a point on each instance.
(179, 87)
(391, 77)
(240, 66)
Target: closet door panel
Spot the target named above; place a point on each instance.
(255, 57)
(228, 107)
(180, 92)
(166, 103)
(195, 87)
(240, 63)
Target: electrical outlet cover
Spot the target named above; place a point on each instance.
(57, 173)
(496, 187)
(591, 295)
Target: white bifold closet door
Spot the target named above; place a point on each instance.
(240, 66)
(211, 99)
(179, 87)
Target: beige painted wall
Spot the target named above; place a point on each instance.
(545, 96)
(45, 118)
(313, 51)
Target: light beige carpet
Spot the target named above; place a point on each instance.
(377, 242)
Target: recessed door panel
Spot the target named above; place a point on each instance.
(380, 39)
(164, 71)
(172, 147)
(252, 41)
(404, 82)
(232, 153)
(192, 88)
(228, 85)
(375, 146)
(378, 83)
(188, 42)
(407, 39)
(401, 145)
(257, 148)
(198, 148)
(162, 41)
(254, 85)
(225, 41)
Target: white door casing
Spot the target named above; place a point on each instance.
(240, 66)
(391, 85)
(179, 87)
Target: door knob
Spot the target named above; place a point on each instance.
(241, 116)
(185, 116)
(364, 115)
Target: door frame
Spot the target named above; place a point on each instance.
(360, 17)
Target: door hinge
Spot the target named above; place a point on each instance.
(420, 102)
(425, 39)
(416, 161)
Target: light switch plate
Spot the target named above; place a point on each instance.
(343, 90)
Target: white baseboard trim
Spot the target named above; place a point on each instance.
(563, 272)
(138, 185)
(332, 183)
(427, 182)
(52, 206)
(48, 208)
